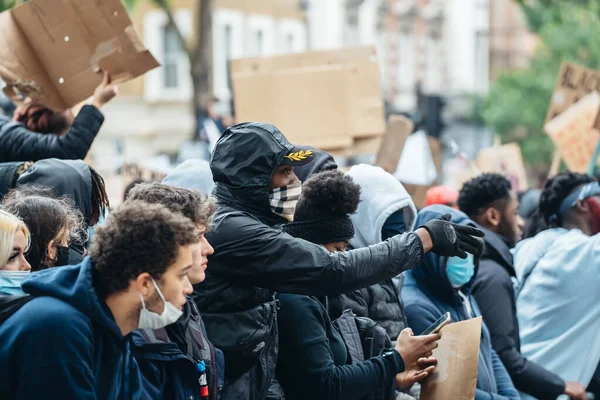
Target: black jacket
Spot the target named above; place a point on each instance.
(494, 293)
(18, 143)
(252, 259)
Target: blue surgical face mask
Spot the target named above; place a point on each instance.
(460, 271)
(10, 282)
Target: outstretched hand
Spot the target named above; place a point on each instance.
(105, 92)
(416, 372)
(450, 239)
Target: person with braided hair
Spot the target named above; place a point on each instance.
(558, 278)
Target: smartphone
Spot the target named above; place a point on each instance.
(437, 325)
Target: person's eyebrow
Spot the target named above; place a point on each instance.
(186, 268)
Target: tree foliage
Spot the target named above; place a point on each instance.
(517, 102)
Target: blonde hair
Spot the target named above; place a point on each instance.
(9, 226)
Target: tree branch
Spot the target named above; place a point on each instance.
(171, 22)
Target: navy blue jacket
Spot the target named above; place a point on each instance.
(427, 294)
(168, 356)
(65, 344)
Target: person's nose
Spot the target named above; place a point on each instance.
(24, 265)
(187, 287)
(207, 248)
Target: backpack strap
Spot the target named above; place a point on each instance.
(347, 327)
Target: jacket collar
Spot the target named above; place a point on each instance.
(498, 250)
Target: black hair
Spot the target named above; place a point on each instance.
(555, 191)
(100, 201)
(138, 237)
(481, 192)
(193, 204)
(327, 194)
(46, 215)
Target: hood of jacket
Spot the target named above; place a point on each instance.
(73, 285)
(381, 195)
(322, 162)
(67, 177)
(7, 176)
(242, 165)
(497, 249)
(431, 273)
(192, 174)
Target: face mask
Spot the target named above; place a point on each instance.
(10, 282)
(283, 200)
(460, 271)
(152, 320)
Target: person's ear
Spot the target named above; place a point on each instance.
(582, 206)
(51, 251)
(492, 216)
(143, 284)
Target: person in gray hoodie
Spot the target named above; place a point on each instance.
(386, 209)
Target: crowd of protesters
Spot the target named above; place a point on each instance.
(234, 279)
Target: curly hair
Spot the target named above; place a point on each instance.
(194, 205)
(46, 215)
(138, 237)
(327, 194)
(555, 191)
(481, 192)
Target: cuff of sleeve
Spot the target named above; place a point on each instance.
(420, 245)
(395, 360)
(92, 114)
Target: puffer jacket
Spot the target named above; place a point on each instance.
(428, 294)
(382, 196)
(252, 260)
(18, 143)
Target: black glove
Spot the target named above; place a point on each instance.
(450, 239)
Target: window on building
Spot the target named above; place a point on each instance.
(172, 51)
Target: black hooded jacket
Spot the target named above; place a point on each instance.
(494, 293)
(252, 259)
(70, 178)
(17, 143)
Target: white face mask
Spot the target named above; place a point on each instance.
(152, 320)
(283, 200)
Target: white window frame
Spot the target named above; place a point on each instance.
(154, 84)
(264, 24)
(221, 19)
(295, 29)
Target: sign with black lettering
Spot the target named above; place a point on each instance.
(574, 82)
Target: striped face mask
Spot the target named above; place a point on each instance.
(283, 200)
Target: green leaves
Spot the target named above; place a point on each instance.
(516, 105)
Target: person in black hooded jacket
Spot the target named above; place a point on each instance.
(20, 143)
(256, 189)
(489, 200)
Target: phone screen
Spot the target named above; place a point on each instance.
(437, 325)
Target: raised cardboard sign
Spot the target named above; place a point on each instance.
(506, 160)
(52, 50)
(398, 129)
(325, 99)
(574, 134)
(573, 83)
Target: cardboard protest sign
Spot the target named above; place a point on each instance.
(324, 99)
(573, 83)
(52, 50)
(455, 377)
(398, 129)
(506, 160)
(574, 134)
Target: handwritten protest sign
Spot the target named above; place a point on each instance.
(506, 160)
(455, 377)
(574, 134)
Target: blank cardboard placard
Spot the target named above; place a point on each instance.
(574, 134)
(506, 160)
(455, 377)
(324, 99)
(52, 50)
(398, 129)
(573, 83)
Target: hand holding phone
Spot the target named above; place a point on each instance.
(437, 325)
(412, 348)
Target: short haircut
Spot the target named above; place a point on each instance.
(194, 205)
(482, 192)
(138, 237)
